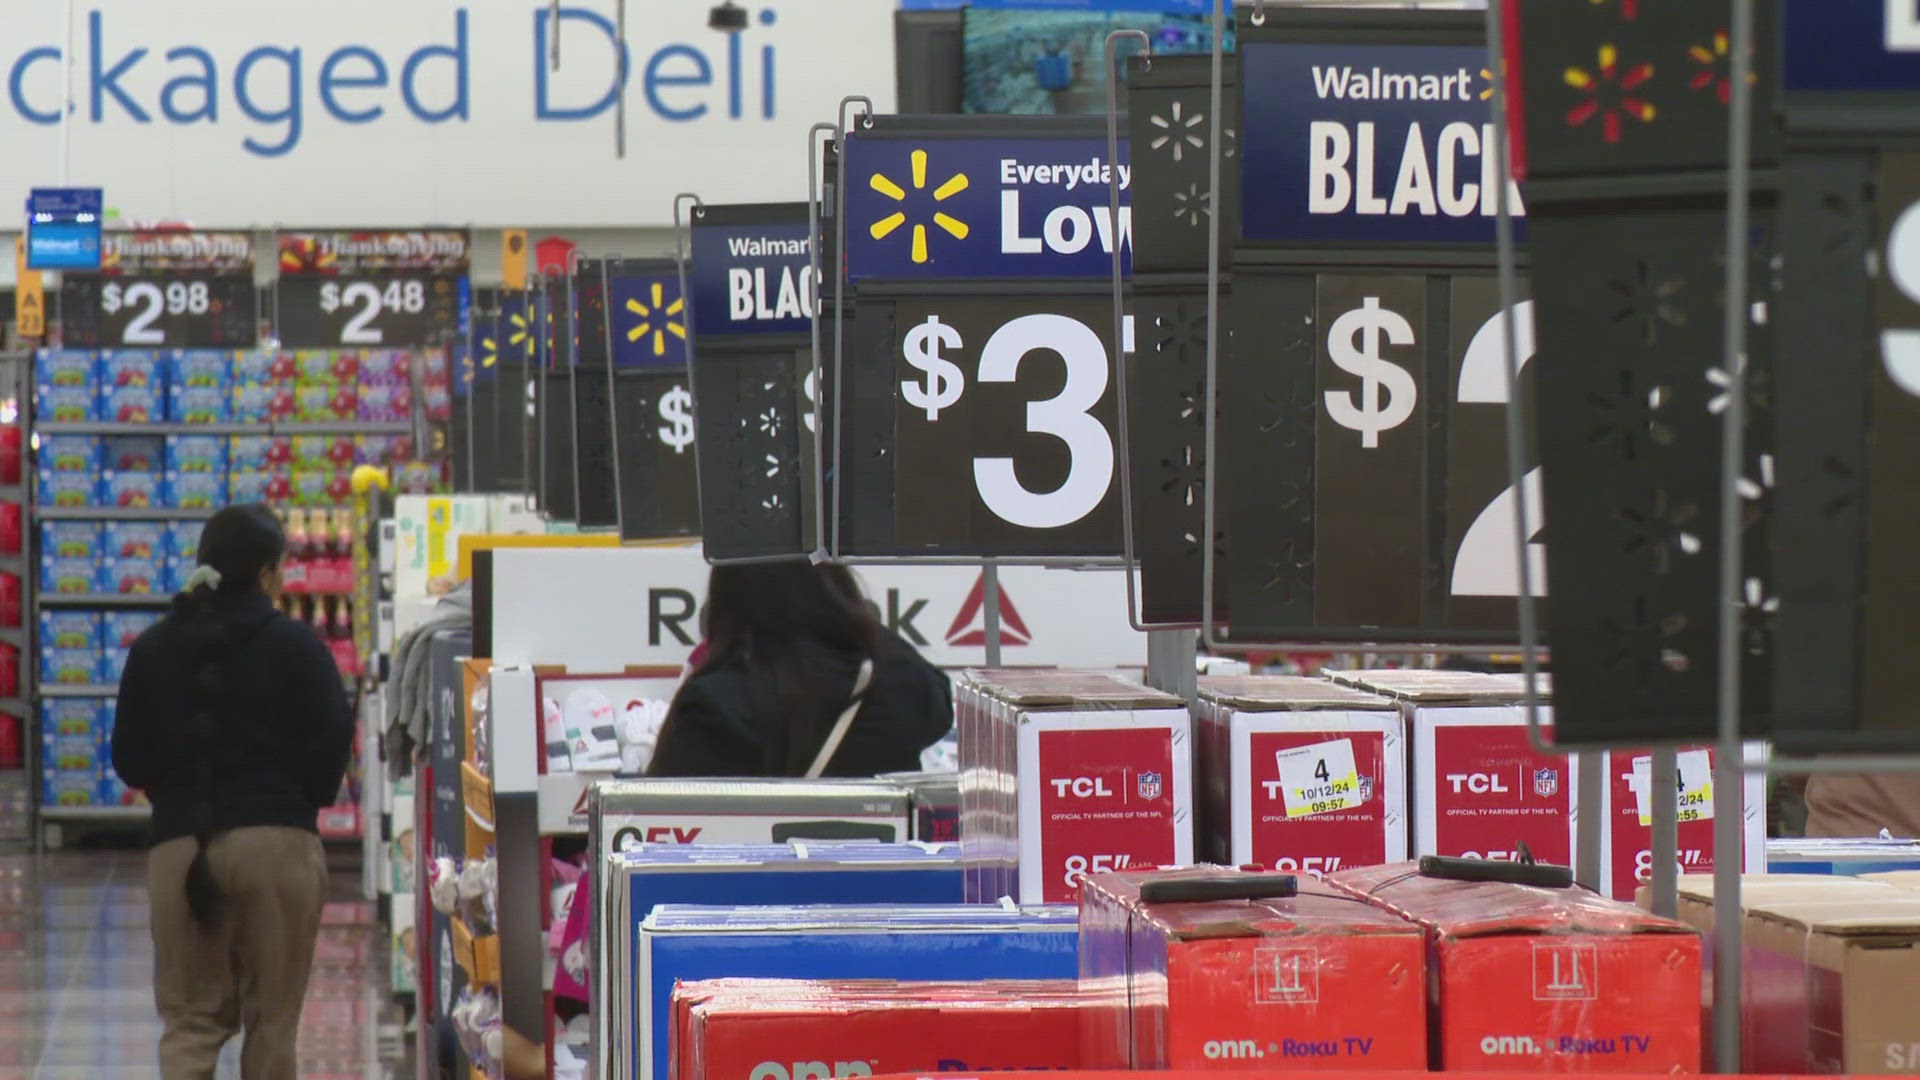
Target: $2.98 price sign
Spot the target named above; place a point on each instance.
(156, 310)
(367, 310)
(1012, 400)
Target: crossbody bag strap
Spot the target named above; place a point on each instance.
(840, 726)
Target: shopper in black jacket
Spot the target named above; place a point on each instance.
(233, 719)
(786, 643)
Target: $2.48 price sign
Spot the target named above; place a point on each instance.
(367, 310)
(152, 311)
(1013, 400)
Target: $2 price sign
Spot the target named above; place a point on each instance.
(153, 311)
(372, 310)
(1013, 399)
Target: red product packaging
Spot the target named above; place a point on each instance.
(1299, 774)
(1628, 808)
(1307, 981)
(9, 670)
(10, 610)
(1066, 774)
(12, 744)
(1480, 788)
(12, 532)
(775, 1030)
(11, 454)
(1526, 979)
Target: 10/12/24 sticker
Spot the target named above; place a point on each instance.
(1319, 779)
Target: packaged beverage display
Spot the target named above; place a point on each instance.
(71, 665)
(1480, 788)
(198, 490)
(134, 453)
(133, 576)
(200, 367)
(70, 453)
(69, 629)
(134, 539)
(212, 404)
(69, 575)
(131, 403)
(789, 874)
(75, 752)
(131, 368)
(631, 815)
(1531, 979)
(133, 489)
(197, 453)
(60, 368)
(1065, 774)
(725, 1030)
(66, 489)
(1300, 774)
(67, 403)
(72, 540)
(258, 453)
(680, 944)
(1247, 971)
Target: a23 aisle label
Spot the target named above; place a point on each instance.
(1008, 406)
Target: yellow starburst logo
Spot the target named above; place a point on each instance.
(518, 332)
(949, 224)
(664, 312)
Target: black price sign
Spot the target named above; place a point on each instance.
(156, 310)
(1007, 404)
(367, 310)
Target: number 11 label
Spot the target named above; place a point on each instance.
(1319, 779)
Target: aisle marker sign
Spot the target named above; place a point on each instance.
(1322, 778)
(752, 279)
(1368, 144)
(922, 207)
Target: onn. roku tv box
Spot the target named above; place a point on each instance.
(1529, 979)
(1218, 969)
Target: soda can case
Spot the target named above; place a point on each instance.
(1528, 979)
(1480, 789)
(726, 1029)
(624, 814)
(785, 874)
(685, 943)
(1300, 775)
(1067, 773)
(1271, 978)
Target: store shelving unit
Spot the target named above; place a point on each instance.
(19, 788)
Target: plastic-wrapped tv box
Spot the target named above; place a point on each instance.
(625, 814)
(1525, 978)
(1213, 969)
(787, 874)
(956, 943)
(1065, 774)
(782, 1029)
(1300, 774)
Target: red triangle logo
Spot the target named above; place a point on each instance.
(970, 626)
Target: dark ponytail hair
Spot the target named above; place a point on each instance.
(240, 543)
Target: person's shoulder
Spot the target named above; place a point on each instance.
(293, 635)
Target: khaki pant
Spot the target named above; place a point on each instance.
(249, 971)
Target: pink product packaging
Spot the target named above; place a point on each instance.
(437, 400)
(386, 402)
(386, 367)
(133, 489)
(259, 402)
(1066, 774)
(570, 972)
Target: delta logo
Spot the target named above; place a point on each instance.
(891, 223)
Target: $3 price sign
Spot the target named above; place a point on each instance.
(1013, 400)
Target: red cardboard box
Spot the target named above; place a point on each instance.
(1301, 775)
(1480, 788)
(781, 1030)
(1312, 981)
(1065, 774)
(1530, 979)
(1629, 822)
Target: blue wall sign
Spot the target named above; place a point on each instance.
(1367, 144)
(649, 320)
(63, 228)
(752, 279)
(927, 207)
(1849, 45)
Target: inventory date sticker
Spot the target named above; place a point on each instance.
(1320, 778)
(1695, 771)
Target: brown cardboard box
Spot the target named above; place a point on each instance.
(1830, 984)
(1899, 879)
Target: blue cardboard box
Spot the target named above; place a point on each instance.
(69, 629)
(90, 716)
(69, 753)
(70, 666)
(64, 575)
(69, 488)
(1842, 857)
(72, 540)
(137, 369)
(133, 576)
(654, 874)
(197, 453)
(70, 453)
(133, 453)
(70, 787)
(198, 490)
(200, 404)
(134, 539)
(66, 368)
(119, 629)
(200, 367)
(133, 489)
(946, 942)
(132, 404)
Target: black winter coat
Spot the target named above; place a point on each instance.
(713, 732)
(285, 738)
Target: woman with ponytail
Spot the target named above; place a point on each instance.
(233, 719)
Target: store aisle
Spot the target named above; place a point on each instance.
(76, 975)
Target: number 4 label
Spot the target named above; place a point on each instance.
(1319, 779)
(1695, 773)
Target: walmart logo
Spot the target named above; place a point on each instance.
(949, 224)
(664, 312)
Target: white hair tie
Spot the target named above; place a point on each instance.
(202, 575)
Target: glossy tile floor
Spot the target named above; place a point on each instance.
(76, 975)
